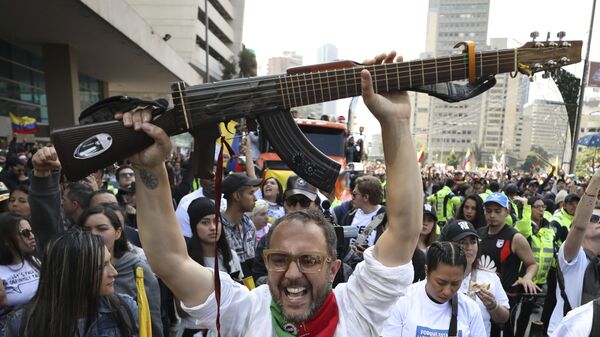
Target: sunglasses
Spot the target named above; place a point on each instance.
(303, 201)
(126, 174)
(595, 218)
(26, 233)
(308, 263)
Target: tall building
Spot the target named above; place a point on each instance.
(57, 60)
(327, 53)
(549, 128)
(279, 64)
(454, 127)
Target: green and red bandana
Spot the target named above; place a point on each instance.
(322, 324)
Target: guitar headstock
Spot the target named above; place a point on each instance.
(536, 56)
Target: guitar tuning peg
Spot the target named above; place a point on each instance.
(534, 35)
(560, 35)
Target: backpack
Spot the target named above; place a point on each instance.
(591, 282)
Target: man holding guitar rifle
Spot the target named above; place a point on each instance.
(301, 259)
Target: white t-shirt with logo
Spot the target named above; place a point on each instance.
(486, 277)
(416, 315)
(577, 323)
(573, 275)
(361, 220)
(364, 302)
(20, 284)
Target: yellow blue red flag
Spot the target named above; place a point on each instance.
(23, 125)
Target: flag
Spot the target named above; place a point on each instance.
(421, 154)
(466, 164)
(554, 166)
(143, 306)
(23, 125)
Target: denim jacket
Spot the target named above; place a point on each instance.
(103, 326)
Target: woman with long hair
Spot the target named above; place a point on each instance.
(482, 285)
(427, 307)
(76, 294)
(104, 222)
(272, 191)
(207, 236)
(18, 202)
(472, 210)
(19, 268)
(429, 232)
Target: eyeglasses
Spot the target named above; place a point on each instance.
(303, 201)
(26, 233)
(126, 174)
(539, 206)
(595, 218)
(308, 263)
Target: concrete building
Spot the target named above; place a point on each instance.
(279, 64)
(455, 127)
(549, 128)
(327, 53)
(57, 58)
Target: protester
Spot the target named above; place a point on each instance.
(19, 268)
(302, 256)
(272, 192)
(471, 210)
(428, 233)
(76, 295)
(18, 202)
(260, 218)
(427, 308)
(481, 285)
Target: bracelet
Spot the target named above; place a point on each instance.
(492, 307)
(590, 195)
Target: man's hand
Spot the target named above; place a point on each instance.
(389, 105)
(157, 153)
(44, 161)
(528, 286)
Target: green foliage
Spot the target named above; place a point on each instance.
(452, 160)
(533, 158)
(586, 159)
(247, 63)
(568, 85)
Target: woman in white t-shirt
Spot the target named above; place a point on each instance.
(19, 269)
(206, 234)
(480, 284)
(272, 192)
(426, 309)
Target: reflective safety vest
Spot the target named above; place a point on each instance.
(383, 184)
(564, 219)
(485, 194)
(444, 202)
(542, 246)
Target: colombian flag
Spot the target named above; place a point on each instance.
(466, 165)
(23, 125)
(421, 154)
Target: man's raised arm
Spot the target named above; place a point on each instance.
(160, 234)
(404, 191)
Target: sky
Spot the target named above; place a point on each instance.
(360, 29)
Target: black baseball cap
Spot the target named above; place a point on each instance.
(296, 185)
(457, 230)
(429, 210)
(235, 181)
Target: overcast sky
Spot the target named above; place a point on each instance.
(362, 28)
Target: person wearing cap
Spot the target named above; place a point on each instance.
(560, 199)
(481, 285)
(428, 233)
(299, 195)
(302, 260)
(503, 250)
(4, 195)
(578, 256)
(239, 191)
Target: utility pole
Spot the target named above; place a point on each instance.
(581, 92)
(207, 78)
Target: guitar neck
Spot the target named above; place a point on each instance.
(316, 87)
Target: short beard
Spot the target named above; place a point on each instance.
(312, 310)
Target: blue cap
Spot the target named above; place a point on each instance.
(498, 198)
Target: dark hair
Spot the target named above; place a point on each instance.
(9, 248)
(479, 220)
(462, 189)
(449, 182)
(432, 236)
(195, 247)
(370, 186)
(121, 168)
(120, 247)
(311, 215)
(279, 198)
(80, 192)
(550, 205)
(494, 186)
(69, 286)
(445, 252)
(98, 192)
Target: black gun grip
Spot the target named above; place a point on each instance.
(297, 152)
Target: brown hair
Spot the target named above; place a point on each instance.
(370, 186)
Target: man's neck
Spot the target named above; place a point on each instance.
(368, 208)
(493, 230)
(234, 215)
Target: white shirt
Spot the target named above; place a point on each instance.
(486, 277)
(361, 220)
(364, 302)
(573, 275)
(577, 323)
(416, 315)
(182, 215)
(20, 284)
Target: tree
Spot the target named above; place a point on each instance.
(452, 160)
(533, 158)
(568, 85)
(247, 62)
(585, 160)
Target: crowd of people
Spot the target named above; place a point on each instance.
(138, 249)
